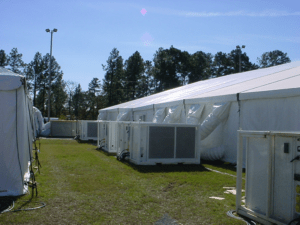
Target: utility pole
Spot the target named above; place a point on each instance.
(49, 90)
(240, 51)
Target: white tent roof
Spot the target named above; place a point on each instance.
(9, 80)
(249, 84)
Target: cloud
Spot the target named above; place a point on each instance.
(265, 13)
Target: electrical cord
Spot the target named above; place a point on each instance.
(9, 209)
(124, 153)
(101, 142)
(248, 222)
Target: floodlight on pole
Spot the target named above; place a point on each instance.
(49, 90)
(239, 48)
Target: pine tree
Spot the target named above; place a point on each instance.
(273, 58)
(70, 89)
(234, 59)
(15, 61)
(134, 69)
(200, 66)
(78, 103)
(94, 87)
(114, 78)
(33, 70)
(221, 65)
(3, 58)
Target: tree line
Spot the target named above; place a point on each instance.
(126, 80)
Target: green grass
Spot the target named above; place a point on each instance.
(81, 185)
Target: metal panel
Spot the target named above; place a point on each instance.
(63, 128)
(161, 142)
(185, 142)
(257, 176)
(92, 129)
(283, 181)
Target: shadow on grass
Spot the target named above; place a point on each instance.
(160, 168)
(165, 168)
(105, 152)
(6, 202)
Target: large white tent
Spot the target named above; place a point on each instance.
(262, 99)
(16, 133)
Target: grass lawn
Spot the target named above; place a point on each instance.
(81, 185)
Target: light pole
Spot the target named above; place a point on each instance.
(239, 48)
(49, 90)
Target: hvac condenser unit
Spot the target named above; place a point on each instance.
(272, 185)
(151, 143)
(88, 130)
(107, 136)
(124, 137)
(63, 128)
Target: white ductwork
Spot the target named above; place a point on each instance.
(219, 114)
(194, 114)
(159, 115)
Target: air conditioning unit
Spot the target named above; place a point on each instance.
(107, 136)
(124, 137)
(63, 128)
(150, 144)
(88, 130)
(272, 188)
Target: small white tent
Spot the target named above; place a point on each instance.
(263, 99)
(16, 133)
(41, 129)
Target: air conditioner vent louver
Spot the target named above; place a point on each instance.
(161, 142)
(92, 130)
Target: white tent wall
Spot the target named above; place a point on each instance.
(169, 112)
(102, 115)
(16, 136)
(125, 115)
(112, 115)
(175, 112)
(274, 114)
(145, 113)
(230, 128)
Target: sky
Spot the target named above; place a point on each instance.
(89, 30)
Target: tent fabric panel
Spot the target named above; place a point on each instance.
(112, 115)
(14, 142)
(10, 176)
(282, 114)
(230, 129)
(149, 114)
(23, 129)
